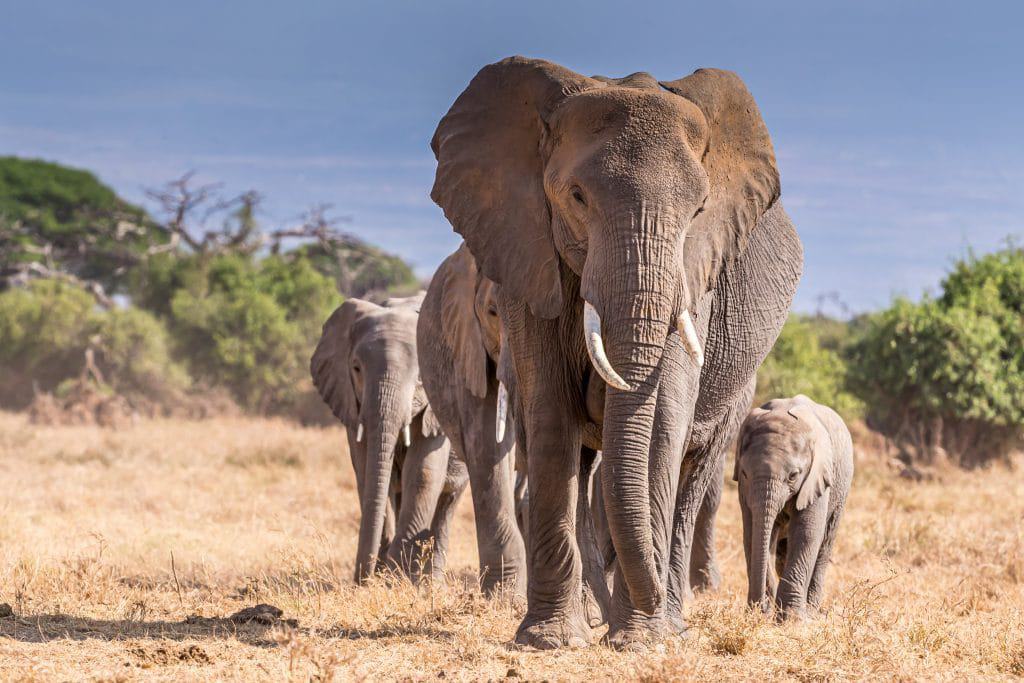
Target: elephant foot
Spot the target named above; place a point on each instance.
(797, 615)
(639, 636)
(569, 631)
(510, 585)
(595, 616)
(706, 579)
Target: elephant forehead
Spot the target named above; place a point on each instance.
(779, 431)
(384, 339)
(638, 113)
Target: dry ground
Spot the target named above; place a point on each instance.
(928, 581)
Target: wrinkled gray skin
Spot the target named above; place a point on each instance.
(794, 467)
(643, 199)
(704, 574)
(459, 340)
(366, 369)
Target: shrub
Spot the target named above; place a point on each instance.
(44, 331)
(249, 327)
(945, 377)
(801, 364)
(46, 328)
(134, 353)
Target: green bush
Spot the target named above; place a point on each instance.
(134, 353)
(245, 326)
(46, 328)
(945, 377)
(800, 363)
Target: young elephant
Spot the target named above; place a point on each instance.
(459, 344)
(794, 467)
(366, 369)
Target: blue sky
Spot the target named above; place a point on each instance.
(897, 124)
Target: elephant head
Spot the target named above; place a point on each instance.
(366, 369)
(644, 190)
(469, 312)
(784, 455)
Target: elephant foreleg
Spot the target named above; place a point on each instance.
(702, 470)
(803, 542)
(816, 589)
(499, 541)
(554, 616)
(441, 526)
(423, 476)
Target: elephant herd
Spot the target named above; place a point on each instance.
(587, 356)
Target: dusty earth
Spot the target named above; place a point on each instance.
(129, 554)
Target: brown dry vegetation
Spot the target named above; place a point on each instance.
(928, 581)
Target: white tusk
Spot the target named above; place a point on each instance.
(688, 333)
(407, 436)
(595, 348)
(502, 414)
(359, 433)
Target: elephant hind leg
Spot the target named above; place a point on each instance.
(816, 588)
(704, 573)
(441, 526)
(597, 598)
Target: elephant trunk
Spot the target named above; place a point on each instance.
(636, 325)
(764, 505)
(387, 417)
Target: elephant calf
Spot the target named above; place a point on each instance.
(794, 467)
(366, 369)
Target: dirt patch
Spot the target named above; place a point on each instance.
(264, 614)
(162, 655)
(259, 615)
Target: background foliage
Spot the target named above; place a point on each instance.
(237, 309)
(193, 312)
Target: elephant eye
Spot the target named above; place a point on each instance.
(700, 209)
(577, 194)
(792, 475)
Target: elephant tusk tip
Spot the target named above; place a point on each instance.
(595, 348)
(501, 414)
(688, 334)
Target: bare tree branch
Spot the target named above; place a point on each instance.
(23, 273)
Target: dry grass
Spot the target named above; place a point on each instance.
(928, 581)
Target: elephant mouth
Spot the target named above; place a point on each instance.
(684, 326)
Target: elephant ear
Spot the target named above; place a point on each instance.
(431, 425)
(458, 320)
(329, 365)
(748, 424)
(489, 178)
(740, 163)
(819, 477)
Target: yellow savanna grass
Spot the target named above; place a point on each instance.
(122, 552)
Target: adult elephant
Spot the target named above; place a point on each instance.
(459, 341)
(608, 211)
(366, 369)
